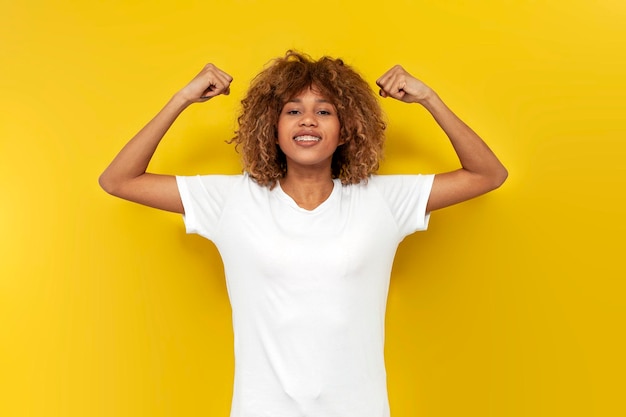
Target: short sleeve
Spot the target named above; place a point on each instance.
(406, 197)
(203, 199)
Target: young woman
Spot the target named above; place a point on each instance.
(308, 232)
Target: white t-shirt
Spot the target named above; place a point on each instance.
(308, 289)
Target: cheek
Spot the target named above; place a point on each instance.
(282, 134)
(280, 129)
(283, 122)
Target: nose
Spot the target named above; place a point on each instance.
(308, 119)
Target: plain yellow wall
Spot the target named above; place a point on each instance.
(510, 305)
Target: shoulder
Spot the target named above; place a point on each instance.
(392, 186)
(400, 180)
(215, 180)
(212, 186)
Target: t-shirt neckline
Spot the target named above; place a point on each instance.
(321, 207)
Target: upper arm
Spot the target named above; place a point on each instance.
(457, 186)
(153, 190)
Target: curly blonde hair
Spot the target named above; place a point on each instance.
(360, 117)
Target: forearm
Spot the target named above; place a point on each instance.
(473, 153)
(132, 161)
(480, 171)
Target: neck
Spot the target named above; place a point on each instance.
(308, 191)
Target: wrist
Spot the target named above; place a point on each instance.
(429, 99)
(179, 101)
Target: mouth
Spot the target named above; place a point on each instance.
(307, 138)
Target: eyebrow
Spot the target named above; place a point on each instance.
(317, 100)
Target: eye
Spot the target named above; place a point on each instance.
(325, 112)
(292, 111)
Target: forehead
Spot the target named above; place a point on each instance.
(311, 93)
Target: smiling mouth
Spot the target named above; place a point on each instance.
(307, 138)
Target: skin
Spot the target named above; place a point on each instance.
(480, 171)
(126, 176)
(309, 180)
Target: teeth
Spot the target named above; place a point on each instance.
(307, 138)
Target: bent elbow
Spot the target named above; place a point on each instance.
(499, 178)
(106, 184)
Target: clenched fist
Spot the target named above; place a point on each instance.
(210, 82)
(401, 85)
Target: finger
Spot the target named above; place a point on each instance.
(225, 76)
(211, 91)
(390, 87)
(398, 82)
(223, 87)
(388, 81)
(390, 73)
(398, 88)
(222, 75)
(383, 85)
(214, 75)
(217, 86)
(382, 80)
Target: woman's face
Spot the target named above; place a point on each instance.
(308, 131)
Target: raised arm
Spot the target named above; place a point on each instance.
(480, 171)
(126, 176)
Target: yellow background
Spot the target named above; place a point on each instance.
(510, 305)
